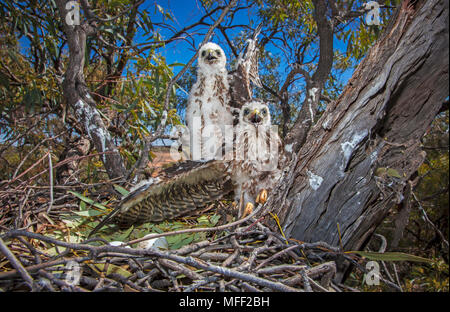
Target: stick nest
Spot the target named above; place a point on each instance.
(42, 251)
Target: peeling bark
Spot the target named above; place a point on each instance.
(376, 123)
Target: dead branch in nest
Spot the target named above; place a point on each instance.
(238, 260)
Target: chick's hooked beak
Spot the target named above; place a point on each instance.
(255, 116)
(210, 55)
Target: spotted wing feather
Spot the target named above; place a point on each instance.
(187, 187)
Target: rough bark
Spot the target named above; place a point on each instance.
(358, 157)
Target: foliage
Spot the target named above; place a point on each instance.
(431, 192)
(429, 278)
(294, 40)
(129, 86)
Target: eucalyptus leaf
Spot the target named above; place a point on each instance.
(121, 190)
(390, 256)
(88, 213)
(122, 237)
(88, 200)
(112, 268)
(393, 173)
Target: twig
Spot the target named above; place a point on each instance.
(181, 269)
(280, 268)
(316, 285)
(32, 152)
(425, 216)
(50, 169)
(324, 268)
(56, 166)
(305, 279)
(346, 287)
(199, 264)
(278, 254)
(59, 282)
(16, 263)
(239, 275)
(31, 167)
(396, 277)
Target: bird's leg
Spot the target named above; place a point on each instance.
(240, 204)
(245, 205)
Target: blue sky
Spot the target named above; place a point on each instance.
(187, 12)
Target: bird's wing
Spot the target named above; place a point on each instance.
(186, 186)
(245, 72)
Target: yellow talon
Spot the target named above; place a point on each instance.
(248, 209)
(262, 197)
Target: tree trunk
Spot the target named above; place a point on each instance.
(360, 154)
(78, 98)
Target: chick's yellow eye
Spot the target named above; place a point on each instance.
(203, 53)
(246, 111)
(264, 111)
(218, 52)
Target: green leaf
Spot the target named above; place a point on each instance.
(88, 200)
(214, 219)
(121, 190)
(393, 173)
(390, 256)
(122, 237)
(176, 64)
(180, 241)
(112, 268)
(203, 220)
(88, 213)
(380, 171)
(177, 241)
